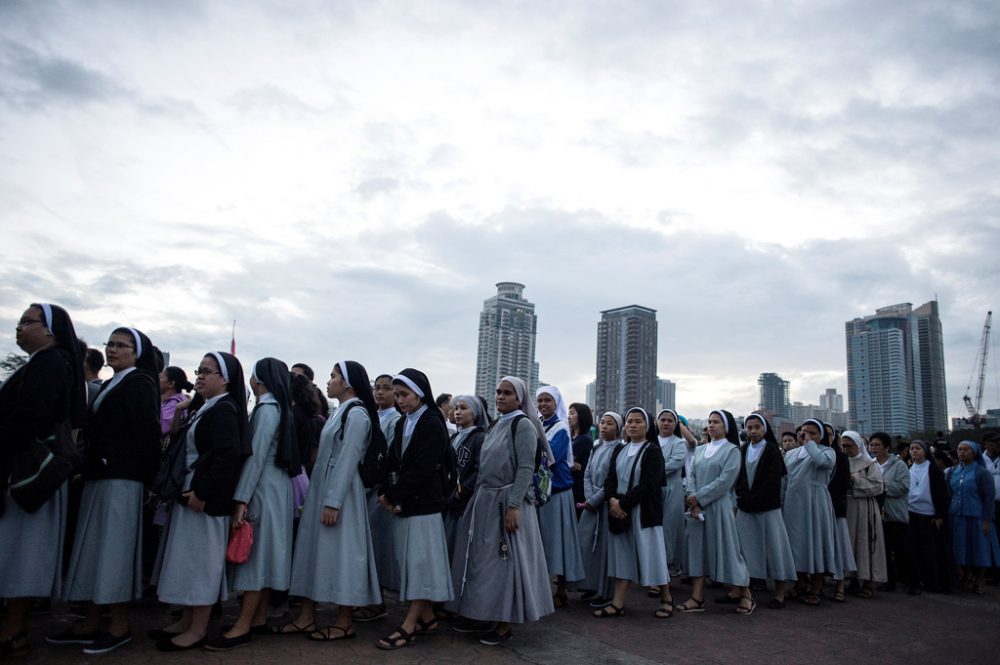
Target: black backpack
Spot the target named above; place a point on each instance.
(371, 468)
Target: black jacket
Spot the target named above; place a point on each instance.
(420, 484)
(220, 460)
(839, 484)
(647, 493)
(940, 492)
(467, 464)
(123, 436)
(765, 494)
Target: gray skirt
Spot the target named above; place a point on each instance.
(381, 524)
(843, 550)
(106, 564)
(31, 548)
(192, 559)
(557, 523)
(593, 530)
(638, 555)
(765, 547)
(422, 558)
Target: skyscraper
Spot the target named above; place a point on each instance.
(832, 401)
(666, 394)
(895, 370)
(626, 359)
(774, 395)
(507, 328)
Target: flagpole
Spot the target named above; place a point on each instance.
(232, 341)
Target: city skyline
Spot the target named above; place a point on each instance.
(626, 359)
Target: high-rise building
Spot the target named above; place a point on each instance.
(507, 328)
(591, 397)
(666, 394)
(626, 359)
(889, 388)
(832, 401)
(774, 395)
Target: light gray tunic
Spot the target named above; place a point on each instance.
(593, 525)
(639, 554)
(500, 576)
(764, 540)
(381, 521)
(808, 510)
(336, 564)
(31, 548)
(714, 545)
(896, 476)
(422, 555)
(192, 561)
(106, 564)
(675, 452)
(267, 491)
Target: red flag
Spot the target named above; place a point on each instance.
(232, 341)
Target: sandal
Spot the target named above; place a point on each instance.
(812, 599)
(796, 591)
(653, 591)
(426, 627)
(296, 629)
(978, 589)
(839, 597)
(699, 606)
(865, 592)
(666, 610)
(776, 604)
(560, 599)
(370, 613)
(743, 610)
(604, 612)
(397, 639)
(324, 634)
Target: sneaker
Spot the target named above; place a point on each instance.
(493, 638)
(69, 637)
(108, 642)
(470, 626)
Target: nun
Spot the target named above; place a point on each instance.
(674, 438)
(927, 523)
(864, 515)
(557, 516)
(593, 524)
(46, 394)
(192, 558)
(263, 498)
(470, 418)
(808, 510)
(334, 558)
(123, 451)
(839, 485)
(713, 545)
(499, 569)
(416, 495)
(632, 491)
(763, 538)
(974, 538)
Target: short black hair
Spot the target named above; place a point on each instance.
(884, 438)
(94, 360)
(442, 399)
(306, 369)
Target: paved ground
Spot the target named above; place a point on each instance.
(891, 628)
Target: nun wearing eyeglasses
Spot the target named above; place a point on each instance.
(46, 393)
(557, 516)
(864, 515)
(470, 418)
(416, 495)
(593, 524)
(123, 450)
(808, 511)
(192, 560)
(674, 438)
(713, 542)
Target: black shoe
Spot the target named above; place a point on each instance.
(254, 630)
(108, 642)
(493, 638)
(470, 626)
(14, 646)
(223, 643)
(69, 637)
(160, 634)
(169, 645)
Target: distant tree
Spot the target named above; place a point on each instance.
(11, 363)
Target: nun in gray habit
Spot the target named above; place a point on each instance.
(466, 443)
(499, 568)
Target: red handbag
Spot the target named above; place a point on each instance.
(240, 542)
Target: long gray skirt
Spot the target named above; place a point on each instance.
(106, 564)
(593, 530)
(381, 524)
(713, 546)
(673, 524)
(765, 547)
(191, 564)
(270, 514)
(843, 550)
(638, 555)
(31, 548)
(451, 533)
(557, 522)
(422, 558)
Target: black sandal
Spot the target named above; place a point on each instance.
(396, 640)
(426, 627)
(296, 629)
(603, 613)
(666, 610)
(324, 634)
(743, 610)
(699, 606)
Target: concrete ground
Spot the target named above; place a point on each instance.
(890, 628)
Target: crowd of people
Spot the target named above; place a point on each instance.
(109, 486)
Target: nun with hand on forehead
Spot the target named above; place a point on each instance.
(470, 418)
(416, 495)
(713, 544)
(632, 490)
(123, 451)
(46, 393)
(557, 516)
(263, 498)
(334, 560)
(192, 559)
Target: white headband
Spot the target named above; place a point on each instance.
(222, 365)
(138, 342)
(343, 372)
(412, 386)
(725, 420)
(758, 417)
(47, 313)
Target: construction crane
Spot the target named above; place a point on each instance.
(975, 417)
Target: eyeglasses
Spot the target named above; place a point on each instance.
(204, 371)
(118, 345)
(27, 322)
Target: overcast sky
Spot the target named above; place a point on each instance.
(350, 180)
